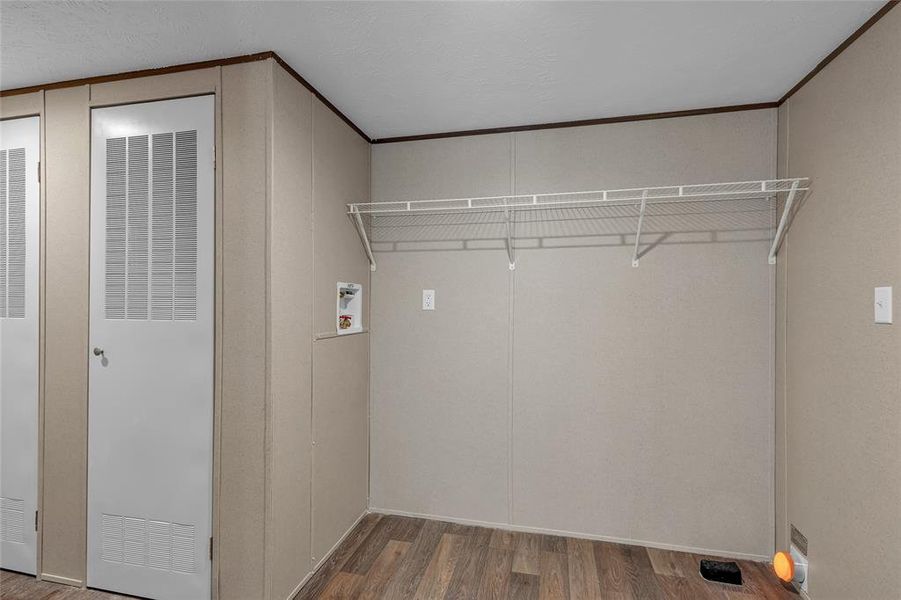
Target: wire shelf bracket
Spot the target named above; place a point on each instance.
(508, 218)
(639, 197)
(780, 230)
(361, 231)
(644, 205)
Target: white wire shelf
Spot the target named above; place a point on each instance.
(640, 197)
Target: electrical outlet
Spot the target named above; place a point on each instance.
(428, 299)
(883, 305)
(798, 551)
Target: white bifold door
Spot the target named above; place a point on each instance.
(150, 423)
(19, 322)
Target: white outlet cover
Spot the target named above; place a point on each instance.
(428, 299)
(801, 568)
(883, 305)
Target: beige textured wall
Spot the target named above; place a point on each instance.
(340, 432)
(65, 291)
(340, 365)
(23, 105)
(243, 479)
(290, 347)
(577, 393)
(158, 87)
(340, 176)
(782, 532)
(440, 389)
(842, 381)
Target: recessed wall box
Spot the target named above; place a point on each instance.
(349, 310)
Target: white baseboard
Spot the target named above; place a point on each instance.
(299, 586)
(60, 579)
(325, 558)
(575, 534)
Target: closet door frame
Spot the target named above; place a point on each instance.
(206, 319)
(31, 108)
(71, 132)
(171, 86)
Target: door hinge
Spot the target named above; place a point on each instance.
(211, 548)
(35, 520)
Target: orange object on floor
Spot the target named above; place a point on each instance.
(784, 566)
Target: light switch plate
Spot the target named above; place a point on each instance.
(883, 305)
(428, 299)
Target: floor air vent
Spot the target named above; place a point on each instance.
(721, 572)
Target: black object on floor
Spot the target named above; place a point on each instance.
(721, 572)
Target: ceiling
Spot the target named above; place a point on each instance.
(405, 68)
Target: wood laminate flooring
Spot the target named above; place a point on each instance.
(395, 558)
(16, 586)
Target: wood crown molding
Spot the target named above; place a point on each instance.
(841, 48)
(581, 123)
(193, 66)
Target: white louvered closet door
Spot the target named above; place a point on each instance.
(150, 424)
(19, 322)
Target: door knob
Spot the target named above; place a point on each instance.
(98, 351)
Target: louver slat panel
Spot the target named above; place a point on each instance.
(138, 227)
(162, 240)
(3, 235)
(151, 227)
(12, 520)
(15, 223)
(115, 228)
(185, 225)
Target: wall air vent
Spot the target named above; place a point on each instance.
(151, 227)
(12, 233)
